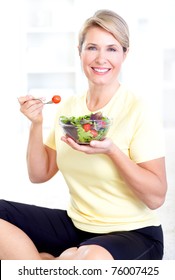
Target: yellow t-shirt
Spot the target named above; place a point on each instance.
(100, 201)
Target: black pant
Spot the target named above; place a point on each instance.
(52, 231)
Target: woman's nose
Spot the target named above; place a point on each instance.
(101, 57)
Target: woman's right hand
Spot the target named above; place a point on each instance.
(31, 108)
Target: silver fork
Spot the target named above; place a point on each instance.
(48, 102)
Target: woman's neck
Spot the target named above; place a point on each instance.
(98, 97)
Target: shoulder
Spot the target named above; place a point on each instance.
(138, 108)
(133, 101)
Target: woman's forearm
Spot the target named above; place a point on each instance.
(147, 180)
(37, 158)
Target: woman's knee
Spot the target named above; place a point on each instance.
(68, 254)
(86, 252)
(94, 252)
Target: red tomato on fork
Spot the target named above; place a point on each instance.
(56, 99)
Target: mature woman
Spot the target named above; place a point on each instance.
(115, 184)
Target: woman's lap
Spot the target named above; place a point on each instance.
(49, 229)
(129, 245)
(52, 231)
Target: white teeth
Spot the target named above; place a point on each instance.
(101, 70)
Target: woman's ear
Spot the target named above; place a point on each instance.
(79, 50)
(125, 53)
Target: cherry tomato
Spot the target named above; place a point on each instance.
(56, 99)
(86, 126)
(94, 132)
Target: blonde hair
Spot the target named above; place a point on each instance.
(111, 22)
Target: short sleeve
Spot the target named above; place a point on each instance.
(50, 140)
(148, 141)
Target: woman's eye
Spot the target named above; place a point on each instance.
(112, 50)
(92, 48)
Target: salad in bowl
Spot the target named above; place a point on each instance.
(85, 128)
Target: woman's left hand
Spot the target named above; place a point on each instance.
(95, 147)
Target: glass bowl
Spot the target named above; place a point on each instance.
(86, 128)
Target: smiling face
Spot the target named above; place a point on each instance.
(101, 56)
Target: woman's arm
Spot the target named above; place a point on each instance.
(147, 180)
(41, 160)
